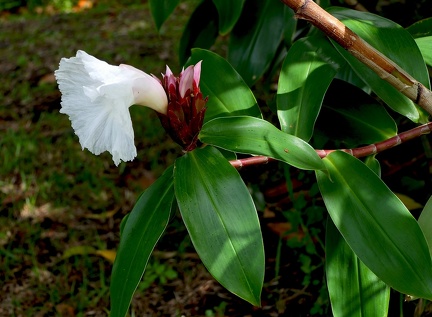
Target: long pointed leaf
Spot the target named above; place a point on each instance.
(256, 136)
(354, 290)
(308, 69)
(229, 12)
(396, 43)
(376, 225)
(140, 233)
(161, 10)
(200, 31)
(221, 220)
(256, 37)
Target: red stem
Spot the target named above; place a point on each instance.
(356, 152)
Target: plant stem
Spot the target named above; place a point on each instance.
(254, 160)
(356, 152)
(384, 145)
(360, 49)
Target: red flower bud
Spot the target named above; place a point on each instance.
(186, 106)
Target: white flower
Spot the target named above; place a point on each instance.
(96, 96)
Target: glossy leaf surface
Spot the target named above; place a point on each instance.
(354, 289)
(308, 69)
(161, 10)
(256, 136)
(200, 31)
(376, 225)
(425, 46)
(256, 37)
(396, 43)
(372, 162)
(229, 12)
(222, 222)
(228, 93)
(140, 233)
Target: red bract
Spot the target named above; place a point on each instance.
(186, 106)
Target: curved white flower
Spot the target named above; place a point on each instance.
(96, 96)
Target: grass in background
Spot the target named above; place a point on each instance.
(59, 205)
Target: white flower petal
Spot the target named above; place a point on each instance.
(186, 80)
(197, 74)
(96, 96)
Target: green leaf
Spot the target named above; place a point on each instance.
(228, 94)
(425, 46)
(143, 228)
(354, 290)
(201, 30)
(222, 222)
(376, 225)
(324, 3)
(372, 162)
(229, 12)
(228, 155)
(161, 10)
(256, 136)
(360, 121)
(396, 43)
(308, 69)
(123, 222)
(290, 25)
(256, 37)
(421, 28)
(425, 223)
